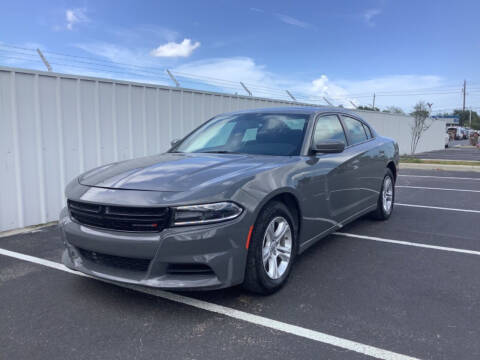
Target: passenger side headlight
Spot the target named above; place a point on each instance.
(205, 214)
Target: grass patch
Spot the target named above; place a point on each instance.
(411, 160)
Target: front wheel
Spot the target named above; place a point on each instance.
(272, 250)
(386, 198)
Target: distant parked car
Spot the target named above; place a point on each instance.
(455, 131)
(233, 202)
(459, 132)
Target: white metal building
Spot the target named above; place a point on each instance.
(55, 126)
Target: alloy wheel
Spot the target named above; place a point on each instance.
(277, 247)
(387, 195)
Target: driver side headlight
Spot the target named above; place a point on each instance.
(205, 213)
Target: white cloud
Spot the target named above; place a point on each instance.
(369, 15)
(257, 10)
(75, 16)
(260, 81)
(225, 74)
(234, 69)
(173, 49)
(401, 90)
(398, 90)
(120, 54)
(293, 21)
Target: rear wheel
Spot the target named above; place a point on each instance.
(386, 198)
(272, 250)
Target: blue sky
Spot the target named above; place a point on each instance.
(344, 50)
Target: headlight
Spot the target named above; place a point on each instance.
(205, 214)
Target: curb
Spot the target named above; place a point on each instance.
(27, 229)
(440, 167)
(476, 162)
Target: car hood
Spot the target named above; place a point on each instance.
(177, 171)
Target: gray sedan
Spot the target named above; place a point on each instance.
(234, 202)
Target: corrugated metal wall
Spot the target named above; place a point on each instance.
(398, 127)
(55, 126)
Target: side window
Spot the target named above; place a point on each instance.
(356, 131)
(329, 128)
(367, 131)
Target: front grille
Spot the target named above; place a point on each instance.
(126, 218)
(126, 263)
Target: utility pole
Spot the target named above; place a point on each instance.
(373, 102)
(351, 102)
(464, 91)
(45, 62)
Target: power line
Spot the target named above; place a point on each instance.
(155, 73)
(102, 63)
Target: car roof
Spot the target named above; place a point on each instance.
(308, 110)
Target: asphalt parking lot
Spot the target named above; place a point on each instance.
(457, 150)
(408, 287)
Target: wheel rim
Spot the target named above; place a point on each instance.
(277, 247)
(387, 194)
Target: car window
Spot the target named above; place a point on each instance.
(368, 131)
(329, 128)
(355, 130)
(216, 135)
(250, 133)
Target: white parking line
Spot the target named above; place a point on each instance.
(438, 208)
(441, 177)
(408, 243)
(235, 314)
(435, 188)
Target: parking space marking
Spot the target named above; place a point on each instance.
(435, 188)
(438, 208)
(408, 243)
(233, 313)
(441, 177)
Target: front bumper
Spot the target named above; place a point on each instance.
(217, 249)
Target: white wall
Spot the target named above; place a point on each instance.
(55, 126)
(398, 127)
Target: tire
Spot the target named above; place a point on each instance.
(383, 212)
(260, 276)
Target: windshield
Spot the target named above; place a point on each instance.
(252, 133)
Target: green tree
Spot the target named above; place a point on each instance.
(368, 108)
(394, 110)
(421, 123)
(465, 118)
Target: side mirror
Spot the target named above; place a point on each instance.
(174, 142)
(328, 147)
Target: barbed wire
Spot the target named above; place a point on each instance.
(152, 73)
